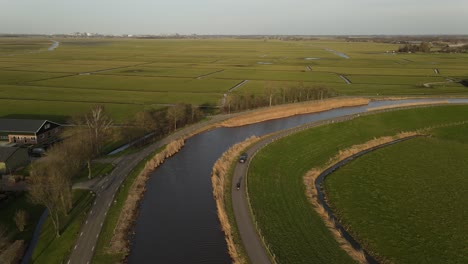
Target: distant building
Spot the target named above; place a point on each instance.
(12, 158)
(26, 131)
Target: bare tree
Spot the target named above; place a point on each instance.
(48, 188)
(98, 123)
(175, 113)
(21, 219)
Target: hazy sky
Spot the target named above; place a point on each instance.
(314, 17)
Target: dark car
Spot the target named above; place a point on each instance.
(243, 158)
(238, 185)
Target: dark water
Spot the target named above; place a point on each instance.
(178, 222)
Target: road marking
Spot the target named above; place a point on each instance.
(94, 202)
(92, 250)
(86, 222)
(68, 261)
(81, 234)
(102, 224)
(91, 212)
(97, 237)
(76, 246)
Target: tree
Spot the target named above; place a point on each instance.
(175, 113)
(50, 188)
(98, 123)
(270, 92)
(21, 219)
(425, 47)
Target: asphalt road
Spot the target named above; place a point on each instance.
(106, 188)
(250, 238)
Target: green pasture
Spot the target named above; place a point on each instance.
(20, 77)
(405, 202)
(110, 70)
(291, 227)
(277, 76)
(103, 96)
(139, 83)
(61, 111)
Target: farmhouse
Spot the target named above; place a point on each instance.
(12, 158)
(27, 131)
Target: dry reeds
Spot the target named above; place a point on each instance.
(407, 105)
(282, 111)
(119, 242)
(311, 190)
(219, 181)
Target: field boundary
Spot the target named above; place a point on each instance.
(314, 192)
(268, 139)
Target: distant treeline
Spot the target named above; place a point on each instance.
(423, 47)
(459, 49)
(275, 96)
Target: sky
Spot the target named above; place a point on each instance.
(235, 17)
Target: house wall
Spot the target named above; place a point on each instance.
(3, 136)
(22, 138)
(43, 136)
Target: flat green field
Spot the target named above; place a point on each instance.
(138, 73)
(405, 202)
(292, 228)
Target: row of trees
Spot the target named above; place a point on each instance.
(51, 177)
(276, 95)
(458, 49)
(423, 47)
(161, 122)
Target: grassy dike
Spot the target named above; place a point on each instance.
(404, 201)
(290, 225)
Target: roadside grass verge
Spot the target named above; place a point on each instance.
(52, 249)
(102, 254)
(97, 170)
(403, 202)
(221, 179)
(294, 231)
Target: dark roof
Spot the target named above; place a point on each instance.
(6, 152)
(21, 125)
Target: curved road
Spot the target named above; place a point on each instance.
(106, 188)
(240, 201)
(254, 246)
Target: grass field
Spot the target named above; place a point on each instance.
(136, 73)
(52, 249)
(404, 201)
(292, 228)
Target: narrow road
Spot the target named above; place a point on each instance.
(240, 201)
(106, 188)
